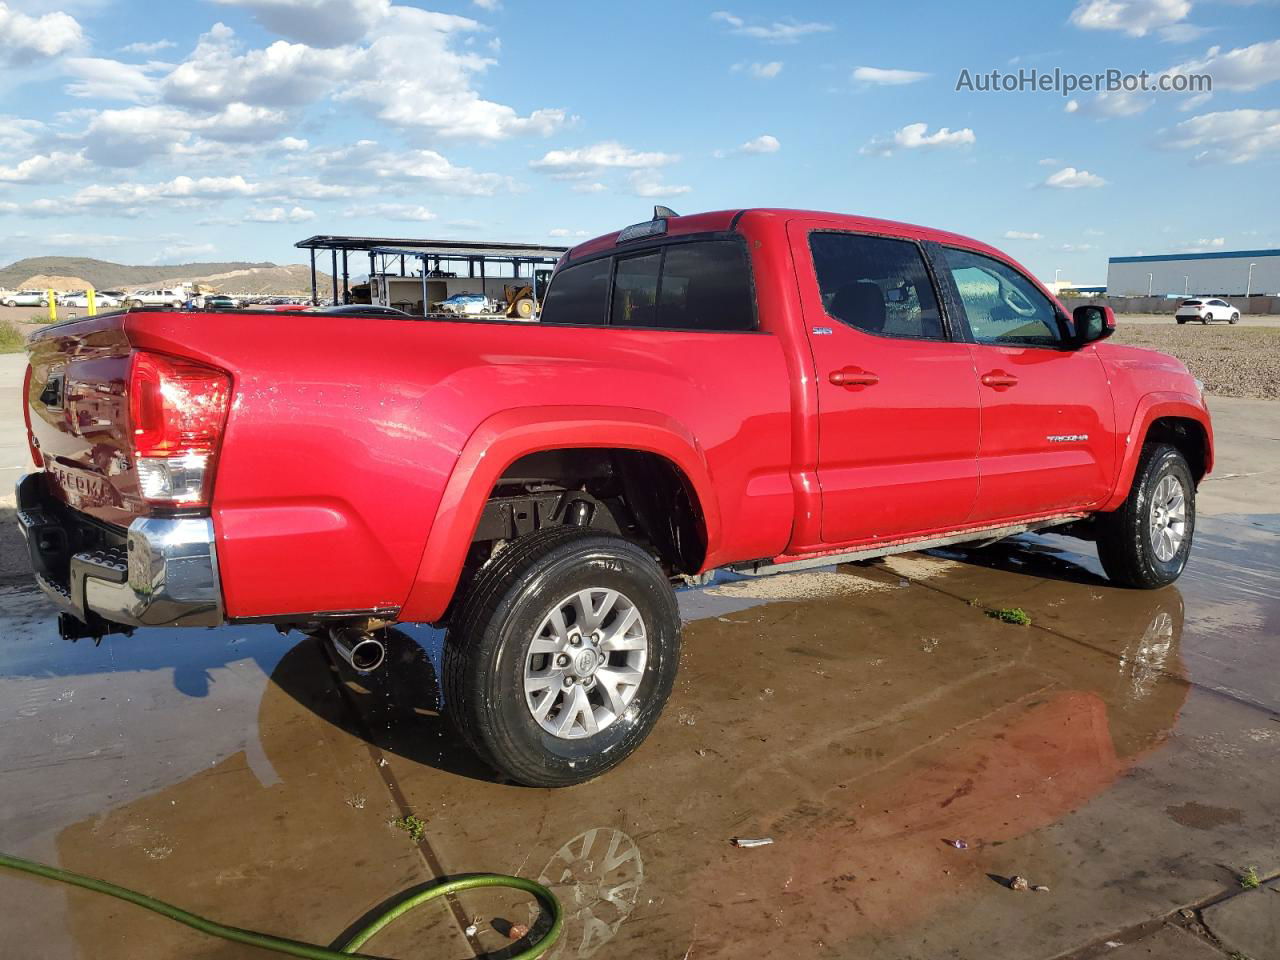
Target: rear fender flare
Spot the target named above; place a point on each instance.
(1153, 407)
(505, 437)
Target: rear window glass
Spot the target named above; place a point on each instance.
(579, 294)
(706, 286)
(1191, 303)
(635, 291)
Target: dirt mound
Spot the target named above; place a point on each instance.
(44, 281)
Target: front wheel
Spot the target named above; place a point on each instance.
(1235, 318)
(562, 655)
(1146, 542)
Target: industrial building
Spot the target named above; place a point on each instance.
(1232, 273)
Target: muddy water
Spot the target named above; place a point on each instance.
(1120, 750)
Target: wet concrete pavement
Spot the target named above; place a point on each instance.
(1121, 751)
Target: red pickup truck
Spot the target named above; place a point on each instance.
(752, 389)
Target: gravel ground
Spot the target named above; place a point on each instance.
(1235, 361)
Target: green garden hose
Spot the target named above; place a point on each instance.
(296, 948)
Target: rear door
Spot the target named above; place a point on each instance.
(897, 396)
(1047, 418)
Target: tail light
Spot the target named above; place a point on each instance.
(177, 412)
(36, 458)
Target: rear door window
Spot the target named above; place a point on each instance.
(579, 294)
(877, 285)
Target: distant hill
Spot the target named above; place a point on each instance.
(229, 277)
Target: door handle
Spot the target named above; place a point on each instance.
(853, 377)
(999, 380)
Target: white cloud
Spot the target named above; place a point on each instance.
(1021, 235)
(915, 136)
(24, 38)
(584, 161)
(320, 23)
(1243, 68)
(104, 79)
(1115, 103)
(1069, 178)
(1182, 33)
(487, 4)
(562, 232)
(153, 47)
(779, 31)
(1229, 136)
(765, 143)
(344, 171)
(886, 77)
(595, 187)
(1203, 245)
(43, 168)
(391, 211)
(293, 143)
(134, 199)
(1048, 161)
(1134, 17)
(648, 183)
(761, 71)
(279, 215)
(1074, 247)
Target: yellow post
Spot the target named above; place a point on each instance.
(53, 306)
(93, 302)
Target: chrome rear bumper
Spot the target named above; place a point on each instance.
(164, 574)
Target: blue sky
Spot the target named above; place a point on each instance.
(198, 130)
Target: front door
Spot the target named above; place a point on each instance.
(897, 397)
(1047, 416)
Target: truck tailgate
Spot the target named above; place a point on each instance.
(78, 408)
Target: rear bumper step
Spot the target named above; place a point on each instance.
(164, 574)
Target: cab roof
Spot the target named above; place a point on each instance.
(719, 221)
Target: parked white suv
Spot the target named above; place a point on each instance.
(1205, 309)
(155, 298)
(25, 298)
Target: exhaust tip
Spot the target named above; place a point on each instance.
(368, 654)
(363, 652)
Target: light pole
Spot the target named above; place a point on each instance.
(1186, 285)
(1248, 290)
(1056, 291)
(1150, 282)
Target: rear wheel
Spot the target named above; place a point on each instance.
(524, 308)
(1206, 318)
(562, 655)
(1181, 320)
(1146, 542)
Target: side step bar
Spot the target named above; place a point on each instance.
(981, 535)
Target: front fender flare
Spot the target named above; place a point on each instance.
(1153, 407)
(504, 438)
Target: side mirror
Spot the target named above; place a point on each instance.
(1092, 323)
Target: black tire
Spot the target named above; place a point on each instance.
(1181, 321)
(487, 647)
(1206, 318)
(1235, 318)
(1123, 536)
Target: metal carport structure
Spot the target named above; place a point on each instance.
(431, 253)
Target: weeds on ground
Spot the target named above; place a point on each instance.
(1249, 879)
(11, 338)
(414, 826)
(1011, 615)
(1237, 955)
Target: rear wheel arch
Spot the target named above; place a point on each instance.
(506, 438)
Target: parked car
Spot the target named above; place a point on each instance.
(751, 390)
(218, 301)
(25, 298)
(156, 298)
(80, 299)
(1206, 309)
(466, 304)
